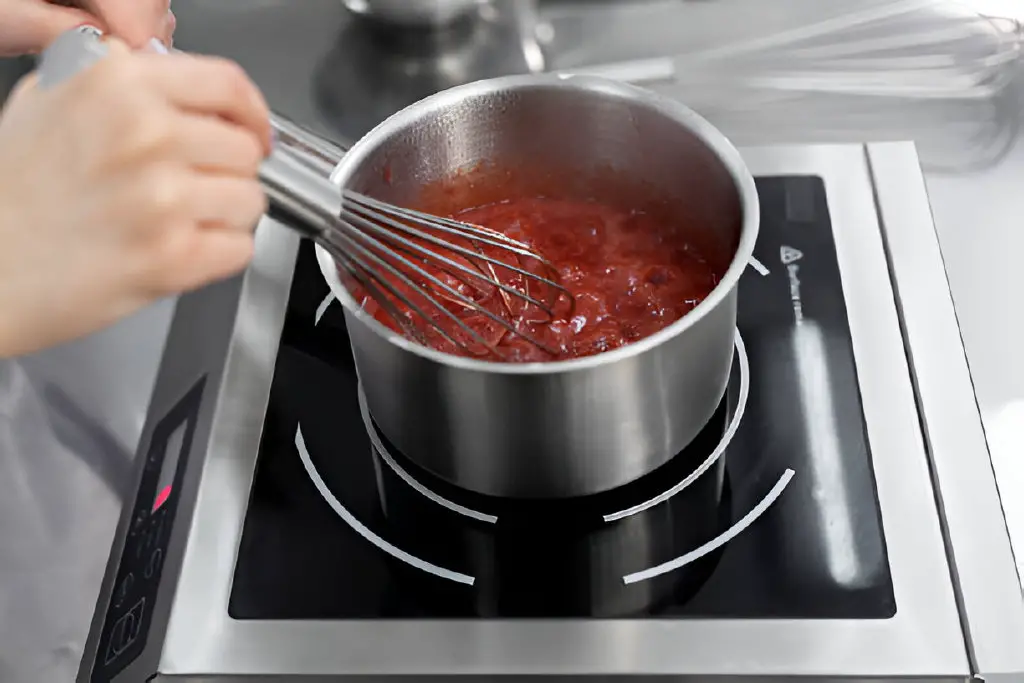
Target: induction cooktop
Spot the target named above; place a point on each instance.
(276, 533)
(340, 525)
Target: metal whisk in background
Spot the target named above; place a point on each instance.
(433, 267)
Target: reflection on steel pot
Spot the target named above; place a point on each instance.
(578, 426)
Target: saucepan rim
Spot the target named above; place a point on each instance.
(727, 154)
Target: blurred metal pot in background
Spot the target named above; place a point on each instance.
(415, 13)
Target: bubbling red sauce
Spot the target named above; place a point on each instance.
(630, 273)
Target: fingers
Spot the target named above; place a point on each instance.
(211, 86)
(234, 204)
(24, 88)
(188, 259)
(116, 47)
(133, 21)
(166, 33)
(202, 230)
(28, 27)
(218, 255)
(213, 145)
(202, 111)
(166, 196)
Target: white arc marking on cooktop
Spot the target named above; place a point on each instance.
(730, 432)
(758, 266)
(322, 308)
(362, 530)
(408, 478)
(733, 531)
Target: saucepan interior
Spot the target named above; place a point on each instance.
(562, 137)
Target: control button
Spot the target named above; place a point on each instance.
(158, 531)
(149, 539)
(125, 631)
(123, 589)
(154, 563)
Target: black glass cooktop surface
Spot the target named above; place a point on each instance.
(770, 513)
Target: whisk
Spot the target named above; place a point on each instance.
(936, 72)
(920, 49)
(382, 247)
(390, 251)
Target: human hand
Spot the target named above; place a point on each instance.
(28, 26)
(134, 21)
(133, 180)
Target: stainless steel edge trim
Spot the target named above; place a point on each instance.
(989, 588)
(204, 326)
(923, 639)
(235, 437)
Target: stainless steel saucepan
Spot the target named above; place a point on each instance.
(538, 430)
(572, 427)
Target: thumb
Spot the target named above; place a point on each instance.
(34, 25)
(133, 21)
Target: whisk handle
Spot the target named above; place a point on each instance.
(296, 175)
(319, 152)
(299, 194)
(70, 53)
(296, 178)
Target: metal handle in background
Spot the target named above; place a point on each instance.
(296, 175)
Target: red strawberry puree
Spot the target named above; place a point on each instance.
(630, 273)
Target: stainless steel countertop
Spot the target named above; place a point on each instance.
(70, 417)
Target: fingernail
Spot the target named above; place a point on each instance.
(156, 46)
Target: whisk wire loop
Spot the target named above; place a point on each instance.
(414, 264)
(358, 270)
(350, 244)
(417, 267)
(417, 250)
(350, 237)
(356, 204)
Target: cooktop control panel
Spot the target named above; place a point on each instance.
(130, 610)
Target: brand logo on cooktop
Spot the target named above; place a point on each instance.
(789, 257)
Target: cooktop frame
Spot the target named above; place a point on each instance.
(879, 208)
